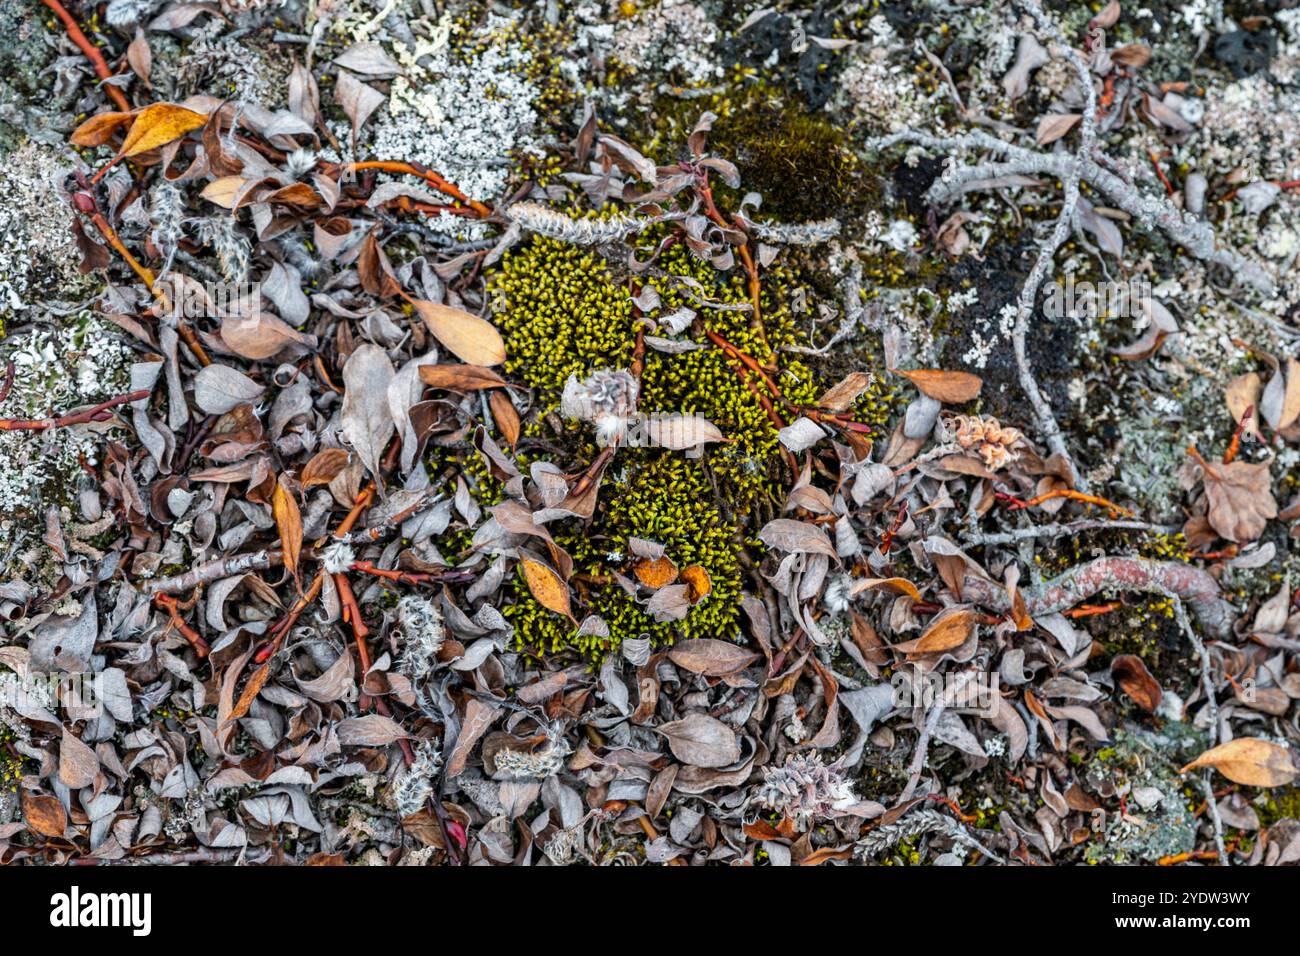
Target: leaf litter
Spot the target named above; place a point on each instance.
(497, 505)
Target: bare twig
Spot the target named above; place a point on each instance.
(212, 571)
(92, 54)
(927, 731)
(1116, 573)
(1062, 530)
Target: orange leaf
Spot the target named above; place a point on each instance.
(892, 585)
(507, 419)
(460, 378)
(654, 573)
(943, 634)
(44, 814)
(288, 519)
(949, 387)
(698, 581)
(323, 467)
(1137, 681)
(250, 692)
(99, 129)
(546, 586)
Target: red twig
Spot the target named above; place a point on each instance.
(168, 604)
(1235, 445)
(99, 413)
(92, 54)
(1155, 163)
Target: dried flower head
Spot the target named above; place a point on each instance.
(234, 252)
(300, 162)
(421, 625)
(531, 765)
(606, 398)
(412, 790)
(338, 557)
(805, 789)
(996, 445)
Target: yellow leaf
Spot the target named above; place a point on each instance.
(158, 125)
(1249, 761)
(466, 336)
(546, 586)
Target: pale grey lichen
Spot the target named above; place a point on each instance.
(38, 255)
(58, 366)
(463, 115)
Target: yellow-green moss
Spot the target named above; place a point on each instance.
(562, 314)
(662, 498)
(566, 312)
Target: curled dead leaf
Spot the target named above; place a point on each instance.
(323, 467)
(1132, 675)
(698, 583)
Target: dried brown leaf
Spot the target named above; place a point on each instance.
(1240, 497)
(1132, 675)
(471, 339)
(702, 741)
(949, 387)
(710, 657)
(1249, 761)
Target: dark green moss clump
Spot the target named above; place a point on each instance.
(799, 161)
